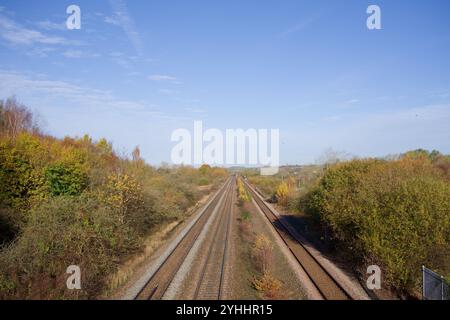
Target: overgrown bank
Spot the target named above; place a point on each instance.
(392, 213)
(74, 201)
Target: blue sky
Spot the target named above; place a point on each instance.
(137, 70)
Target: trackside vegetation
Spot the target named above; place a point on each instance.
(394, 213)
(74, 201)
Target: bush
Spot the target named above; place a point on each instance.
(266, 184)
(18, 173)
(243, 194)
(203, 182)
(65, 180)
(391, 213)
(74, 201)
(269, 286)
(62, 232)
(262, 253)
(10, 223)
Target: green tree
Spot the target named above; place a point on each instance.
(65, 180)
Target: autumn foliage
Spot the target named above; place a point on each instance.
(243, 195)
(395, 214)
(392, 212)
(74, 201)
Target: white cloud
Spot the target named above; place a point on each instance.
(299, 26)
(41, 52)
(73, 54)
(116, 54)
(122, 60)
(37, 87)
(159, 77)
(4, 10)
(48, 25)
(16, 34)
(195, 110)
(168, 91)
(112, 20)
(123, 19)
(349, 104)
(79, 54)
(75, 110)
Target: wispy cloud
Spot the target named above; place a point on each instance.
(75, 54)
(49, 25)
(112, 20)
(299, 26)
(168, 92)
(41, 52)
(124, 60)
(440, 93)
(123, 19)
(16, 34)
(195, 110)
(42, 89)
(4, 10)
(159, 77)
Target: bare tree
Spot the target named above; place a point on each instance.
(330, 156)
(16, 118)
(2, 122)
(136, 154)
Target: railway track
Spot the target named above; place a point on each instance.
(325, 283)
(211, 283)
(157, 285)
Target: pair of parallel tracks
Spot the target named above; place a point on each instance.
(211, 282)
(325, 283)
(212, 278)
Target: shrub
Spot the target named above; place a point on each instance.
(203, 181)
(10, 223)
(245, 216)
(245, 226)
(282, 193)
(262, 253)
(266, 184)
(74, 201)
(243, 194)
(62, 232)
(269, 286)
(391, 213)
(18, 175)
(65, 180)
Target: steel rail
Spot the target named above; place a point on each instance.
(156, 286)
(212, 281)
(326, 284)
